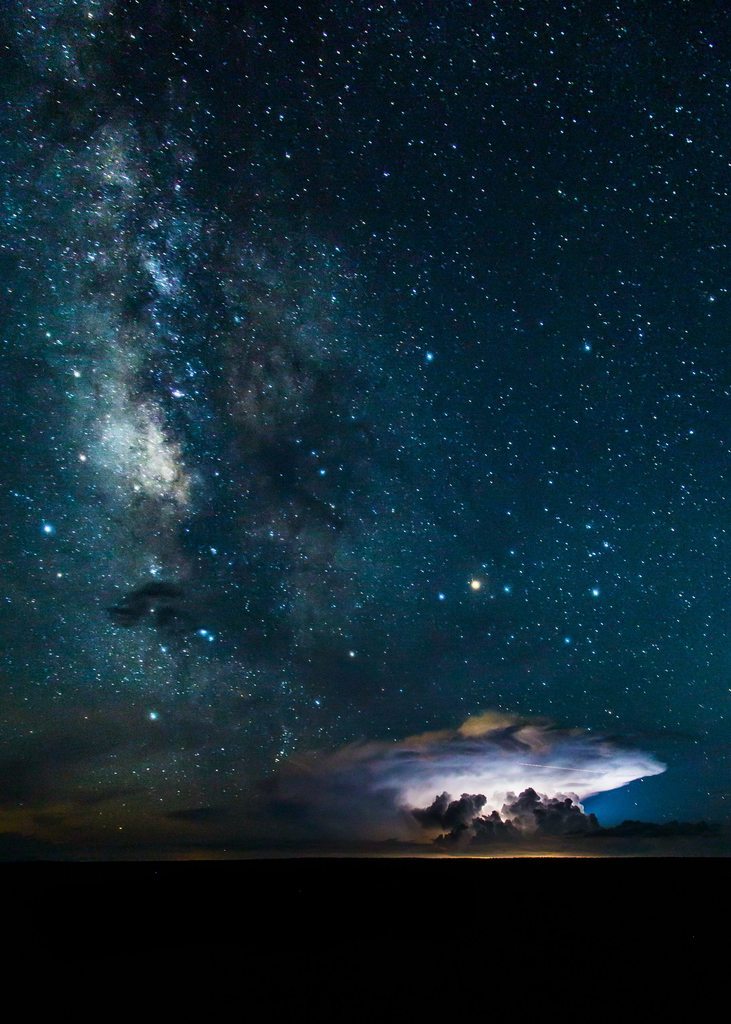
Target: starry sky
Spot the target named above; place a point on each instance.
(364, 370)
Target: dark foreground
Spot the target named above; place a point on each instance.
(320, 903)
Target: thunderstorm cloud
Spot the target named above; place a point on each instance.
(381, 789)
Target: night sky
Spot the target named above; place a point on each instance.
(365, 369)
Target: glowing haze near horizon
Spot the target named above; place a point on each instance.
(365, 366)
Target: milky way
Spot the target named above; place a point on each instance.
(364, 370)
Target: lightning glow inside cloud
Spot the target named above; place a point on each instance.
(370, 789)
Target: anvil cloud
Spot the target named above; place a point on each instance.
(370, 790)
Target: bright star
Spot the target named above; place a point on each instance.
(475, 584)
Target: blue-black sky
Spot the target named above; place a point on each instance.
(313, 318)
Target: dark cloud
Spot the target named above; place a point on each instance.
(487, 829)
(532, 818)
(527, 816)
(160, 603)
(66, 762)
(38, 772)
(551, 816)
(450, 814)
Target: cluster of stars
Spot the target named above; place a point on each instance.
(386, 348)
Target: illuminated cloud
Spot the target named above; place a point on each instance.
(370, 790)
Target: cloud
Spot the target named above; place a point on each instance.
(529, 816)
(532, 813)
(450, 814)
(71, 761)
(159, 602)
(354, 799)
(372, 790)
